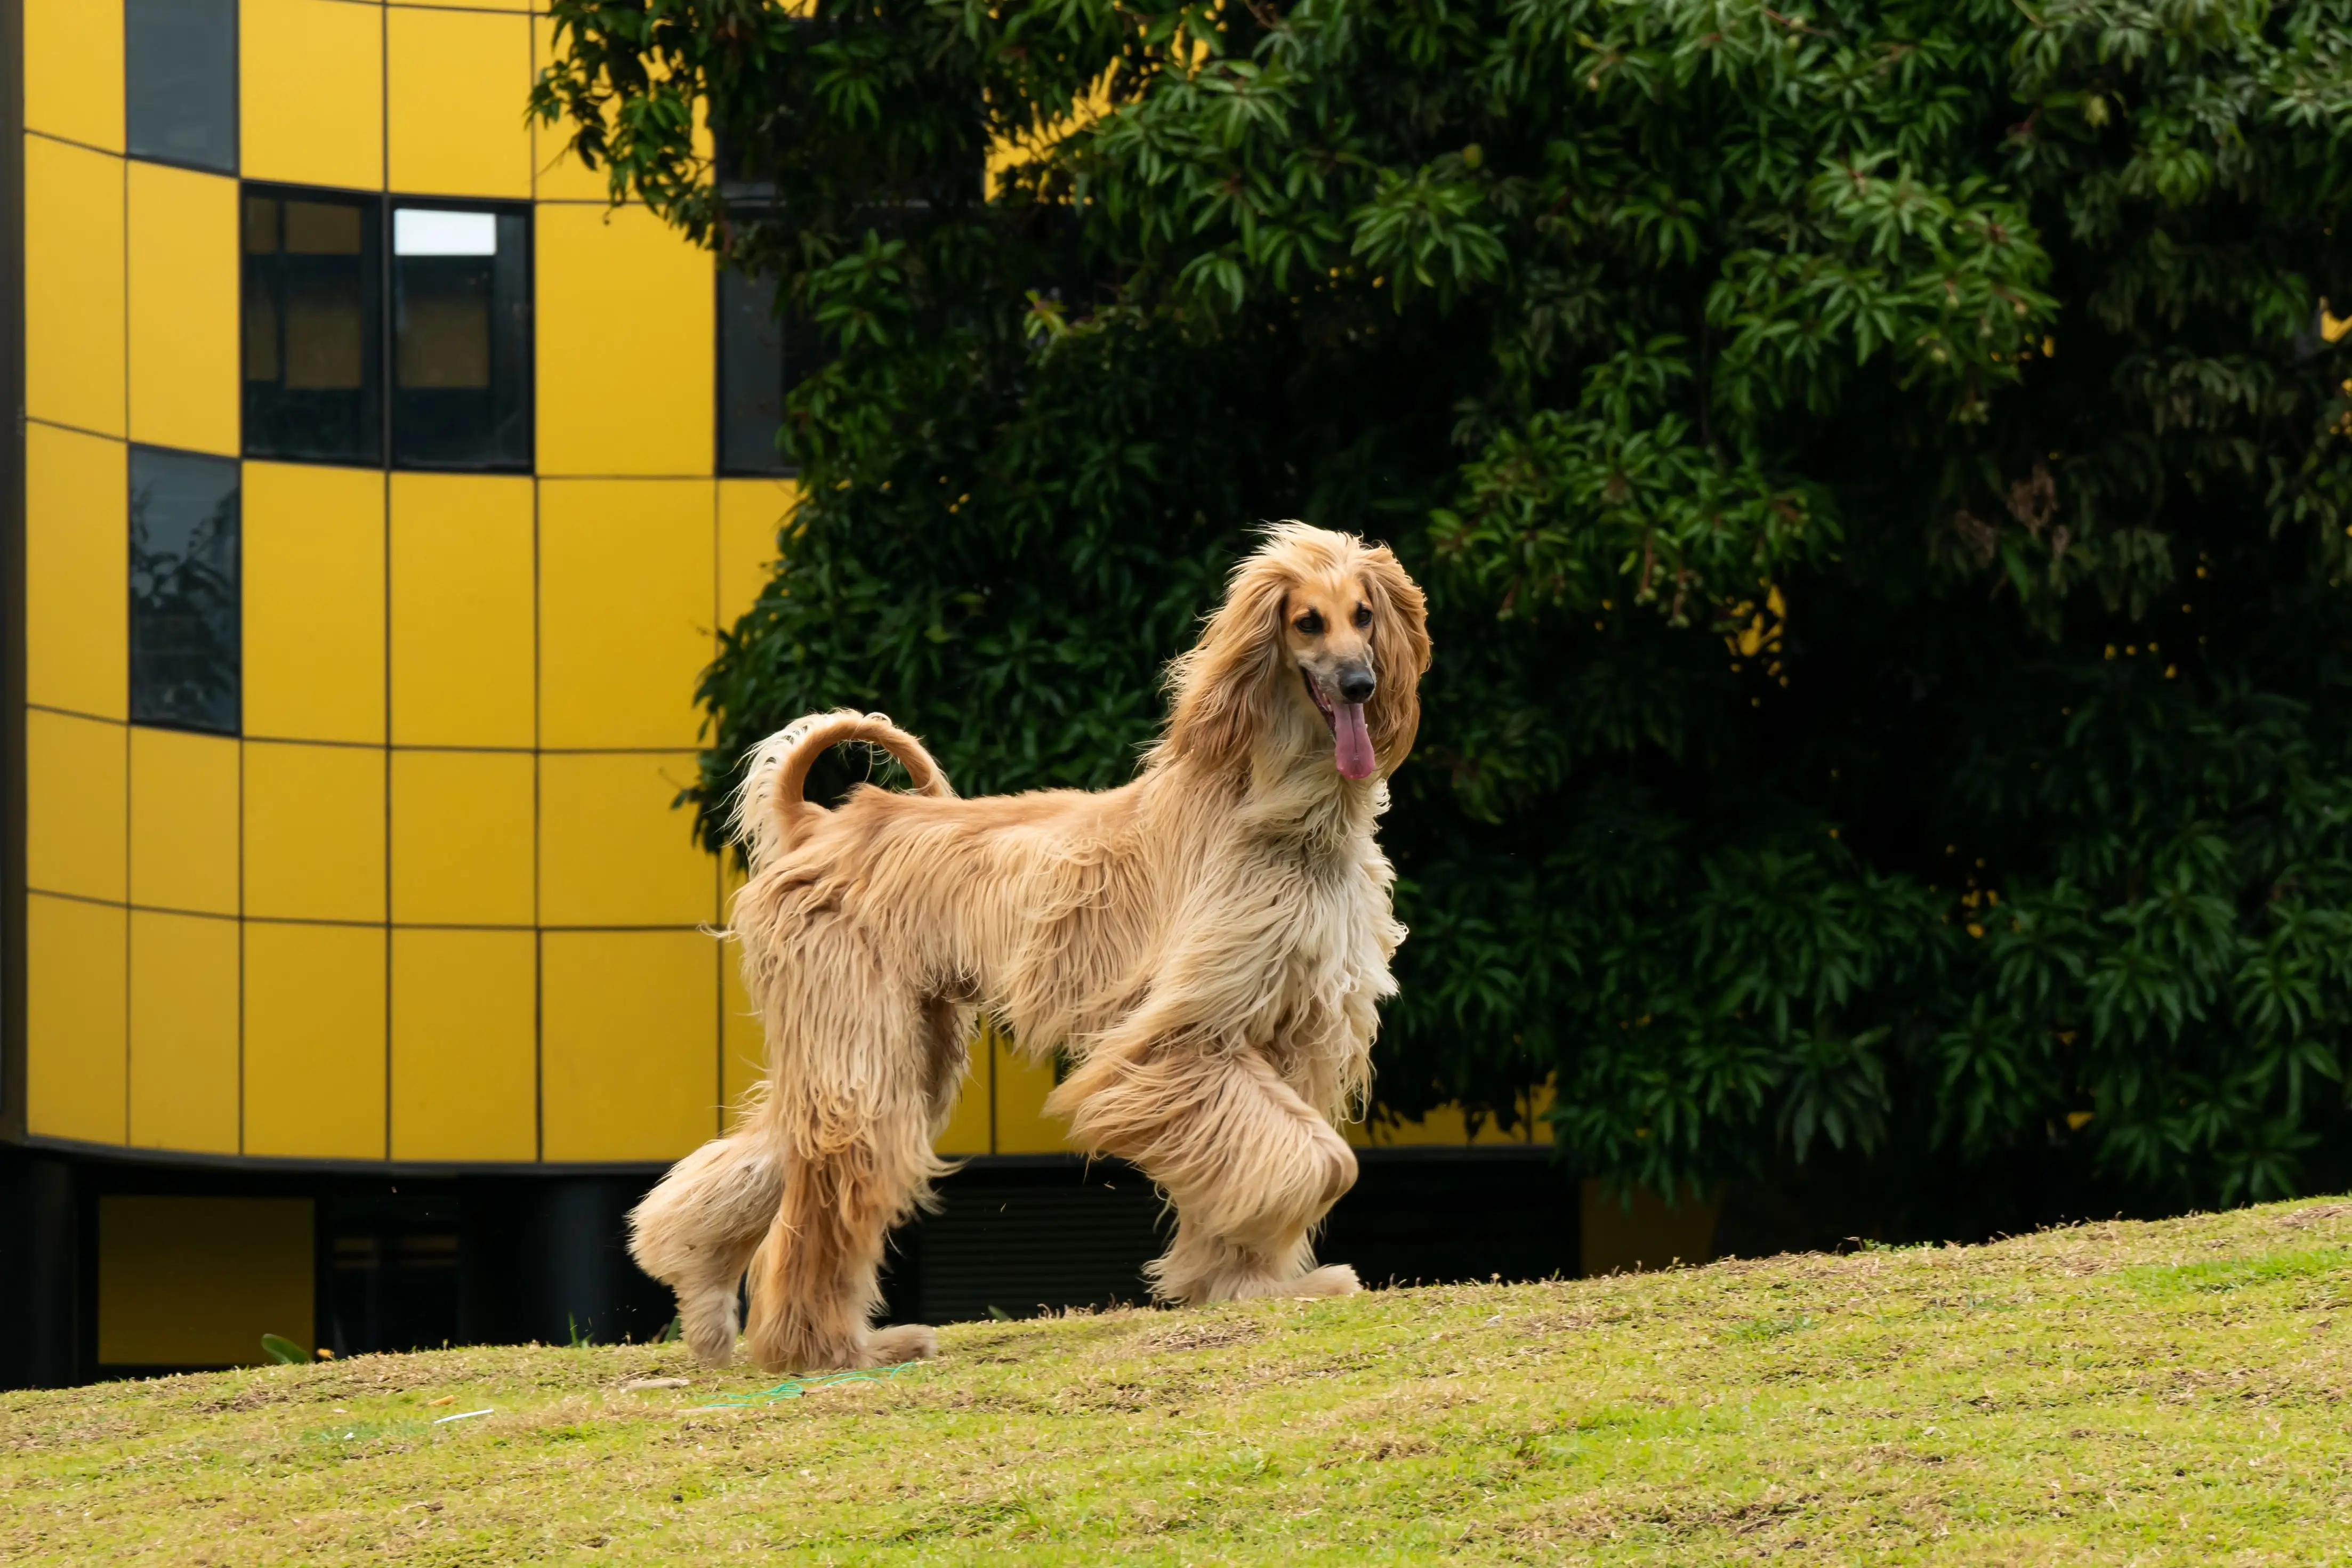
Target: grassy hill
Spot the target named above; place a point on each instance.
(2149, 1394)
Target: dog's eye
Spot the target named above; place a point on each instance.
(1309, 624)
(1363, 614)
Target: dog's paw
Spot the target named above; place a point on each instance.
(712, 1340)
(1331, 1280)
(907, 1341)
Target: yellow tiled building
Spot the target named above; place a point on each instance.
(381, 499)
(423, 896)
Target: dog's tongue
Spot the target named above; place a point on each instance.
(1352, 751)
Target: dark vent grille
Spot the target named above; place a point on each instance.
(1022, 1240)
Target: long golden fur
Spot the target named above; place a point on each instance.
(1208, 943)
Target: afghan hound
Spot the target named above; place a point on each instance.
(1207, 944)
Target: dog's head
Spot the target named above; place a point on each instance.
(1322, 641)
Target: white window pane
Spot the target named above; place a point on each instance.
(429, 231)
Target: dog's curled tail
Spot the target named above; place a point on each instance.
(770, 807)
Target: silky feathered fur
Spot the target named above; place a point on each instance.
(1208, 943)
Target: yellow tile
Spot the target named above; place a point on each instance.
(313, 577)
(465, 1045)
(196, 1282)
(475, 4)
(76, 571)
(75, 801)
(743, 1042)
(751, 512)
(462, 614)
(1538, 1109)
(1022, 1085)
(1444, 1125)
(742, 1038)
(462, 838)
(1449, 1124)
(560, 176)
(183, 1032)
(969, 1130)
(556, 175)
(73, 286)
(75, 1056)
(629, 1048)
(1490, 1130)
(458, 84)
(612, 849)
(184, 821)
(1625, 1233)
(310, 82)
(182, 292)
(314, 831)
(73, 71)
(314, 1061)
(625, 607)
(589, 256)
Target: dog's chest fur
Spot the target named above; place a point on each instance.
(1332, 966)
(1282, 925)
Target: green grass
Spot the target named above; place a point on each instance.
(2178, 1392)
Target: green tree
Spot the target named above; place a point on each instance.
(1881, 476)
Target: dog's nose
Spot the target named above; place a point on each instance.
(1356, 685)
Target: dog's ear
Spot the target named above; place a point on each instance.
(1219, 686)
(1399, 654)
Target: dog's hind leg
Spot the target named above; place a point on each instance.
(697, 1230)
(816, 1277)
(1249, 1166)
(857, 1114)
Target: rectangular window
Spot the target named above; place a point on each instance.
(761, 357)
(184, 603)
(313, 326)
(461, 337)
(179, 81)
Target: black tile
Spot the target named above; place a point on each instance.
(179, 81)
(184, 595)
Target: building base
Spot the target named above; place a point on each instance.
(119, 1268)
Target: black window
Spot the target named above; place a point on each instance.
(461, 337)
(761, 356)
(313, 326)
(183, 591)
(179, 81)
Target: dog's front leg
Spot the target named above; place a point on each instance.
(1249, 1166)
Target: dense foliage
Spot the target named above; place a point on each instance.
(1881, 474)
